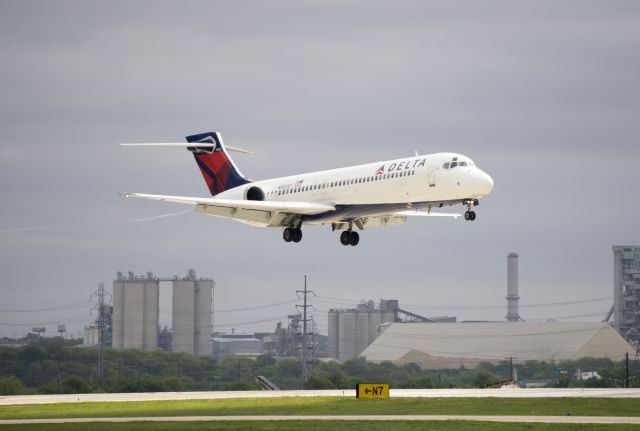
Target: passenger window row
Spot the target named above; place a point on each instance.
(342, 183)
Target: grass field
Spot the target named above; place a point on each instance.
(320, 426)
(332, 406)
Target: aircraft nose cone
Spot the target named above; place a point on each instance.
(486, 183)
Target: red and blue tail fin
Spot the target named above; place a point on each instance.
(218, 170)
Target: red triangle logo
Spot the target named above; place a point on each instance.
(380, 170)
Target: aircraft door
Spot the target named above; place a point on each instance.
(431, 176)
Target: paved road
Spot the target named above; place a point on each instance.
(523, 419)
(395, 393)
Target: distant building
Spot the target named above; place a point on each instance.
(192, 315)
(626, 291)
(352, 330)
(135, 312)
(90, 336)
(164, 339)
(455, 345)
(231, 345)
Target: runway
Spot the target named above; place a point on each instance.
(394, 393)
(519, 419)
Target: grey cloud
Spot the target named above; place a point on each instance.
(542, 95)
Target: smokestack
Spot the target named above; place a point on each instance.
(512, 288)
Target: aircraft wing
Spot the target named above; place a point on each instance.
(419, 213)
(257, 213)
(389, 219)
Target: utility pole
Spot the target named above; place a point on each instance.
(511, 362)
(102, 326)
(305, 334)
(626, 370)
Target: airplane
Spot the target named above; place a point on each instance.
(357, 197)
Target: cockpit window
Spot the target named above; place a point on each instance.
(455, 163)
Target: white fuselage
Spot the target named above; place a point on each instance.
(416, 179)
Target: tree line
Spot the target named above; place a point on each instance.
(51, 366)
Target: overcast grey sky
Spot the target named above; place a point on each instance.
(544, 96)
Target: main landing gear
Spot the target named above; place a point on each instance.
(470, 215)
(292, 234)
(349, 237)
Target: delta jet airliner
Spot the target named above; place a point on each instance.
(357, 197)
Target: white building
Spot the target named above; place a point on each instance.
(455, 345)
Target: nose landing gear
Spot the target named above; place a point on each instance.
(470, 215)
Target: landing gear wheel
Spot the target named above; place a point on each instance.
(473, 215)
(291, 234)
(349, 237)
(467, 216)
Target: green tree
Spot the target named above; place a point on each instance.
(11, 386)
(76, 385)
(417, 383)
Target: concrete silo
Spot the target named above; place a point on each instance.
(203, 325)
(117, 331)
(135, 312)
(192, 312)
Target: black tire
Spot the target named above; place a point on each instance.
(345, 237)
(288, 235)
(355, 238)
(467, 215)
(297, 235)
(473, 215)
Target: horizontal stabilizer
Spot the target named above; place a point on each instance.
(185, 145)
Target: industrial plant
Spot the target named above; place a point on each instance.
(626, 291)
(135, 318)
(382, 334)
(352, 330)
(379, 332)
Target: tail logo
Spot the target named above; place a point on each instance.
(219, 172)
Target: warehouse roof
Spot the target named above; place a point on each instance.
(451, 345)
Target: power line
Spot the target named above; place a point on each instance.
(335, 300)
(257, 307)
(37, 310)
(270, 319)
(51, 322)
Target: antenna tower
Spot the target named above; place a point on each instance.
(308, 350)
(101, 323)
